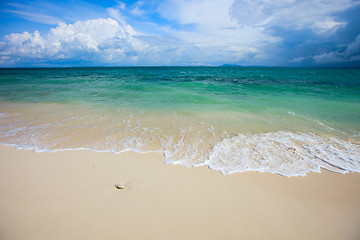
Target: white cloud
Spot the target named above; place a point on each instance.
(108, 41)
(115, 12)
(95, 39)
(25, 44)
(205, 13)
(136, 10)
(120, 4)
(297, 60)
(315, 14)
(208, 25)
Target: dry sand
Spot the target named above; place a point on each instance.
(71, 195)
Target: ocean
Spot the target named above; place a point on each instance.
(288, 121)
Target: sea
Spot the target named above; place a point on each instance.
(288, 121)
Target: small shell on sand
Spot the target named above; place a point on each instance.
(292, 149)
(120, 185)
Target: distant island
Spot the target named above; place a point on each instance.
(236, 65)
(230, 65)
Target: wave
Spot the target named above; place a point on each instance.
(285, 153)
(209, 140)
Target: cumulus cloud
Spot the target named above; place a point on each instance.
(87, 40)
(110, 42)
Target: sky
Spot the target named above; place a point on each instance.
(291, 33)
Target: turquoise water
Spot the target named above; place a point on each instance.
(282, 120)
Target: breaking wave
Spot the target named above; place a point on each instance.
(285, 153)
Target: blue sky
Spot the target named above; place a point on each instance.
(180, 32)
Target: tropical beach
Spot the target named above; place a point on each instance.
(69, 143)
(179, 119)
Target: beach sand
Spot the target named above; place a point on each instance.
(71, 195)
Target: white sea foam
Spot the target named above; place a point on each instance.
(285, 153)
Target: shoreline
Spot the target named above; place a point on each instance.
(72, 195)
(229, 142)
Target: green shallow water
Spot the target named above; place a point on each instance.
(331, 94)
(184, 111)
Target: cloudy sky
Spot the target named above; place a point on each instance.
(180, 32)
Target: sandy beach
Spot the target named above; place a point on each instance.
(71, 195)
